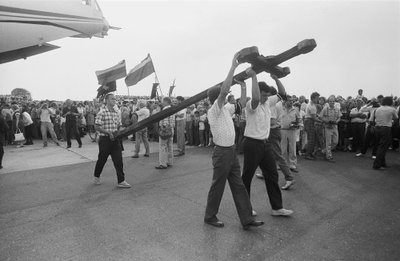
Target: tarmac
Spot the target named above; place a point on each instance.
(51, 210)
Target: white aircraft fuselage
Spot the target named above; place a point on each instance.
(26, 26)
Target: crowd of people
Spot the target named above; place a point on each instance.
(311, 127)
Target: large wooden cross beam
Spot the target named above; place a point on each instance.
(259, 64)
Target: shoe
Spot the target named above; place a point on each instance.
(80, 146)
(215, 223)
(294, 170)
(160, 167)
(254, 223)
(1, 167)
(330, 159)
(124, 184)
(44, 145)
(259, 175)
(310, 158)
(58, 144)
(253, 213)
(282, 212)
(97, 181)
(179, 154)
(135, 156)
(169, 166)
(373, 157)
(359, 154)
(201, 145)
(379, 168)
(288, 185)
(68, 147)
(146, 155)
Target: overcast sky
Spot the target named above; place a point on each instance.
(358, 46)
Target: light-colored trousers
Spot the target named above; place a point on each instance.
(331, 139)
(180, 135)
(166, 154)
(142, 136)
(288, 146)
(47, 126)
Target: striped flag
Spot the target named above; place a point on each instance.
(141, 71)
(111, 74)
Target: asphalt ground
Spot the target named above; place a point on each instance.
(50, 210)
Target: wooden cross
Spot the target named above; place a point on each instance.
(259, 64)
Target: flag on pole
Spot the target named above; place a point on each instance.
(111, 74)
(141, 71)
(154, 90)
(171, 89)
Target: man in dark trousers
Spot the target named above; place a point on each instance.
(257, 149)
(70, 113)
(225, 161)
(108, 121)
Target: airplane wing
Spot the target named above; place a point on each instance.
(25, 52)
(26, 27)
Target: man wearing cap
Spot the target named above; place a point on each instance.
(225, 161)
(108, 121)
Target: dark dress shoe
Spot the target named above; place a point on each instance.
(80, 146)
(135, 156)
(146, 155)
(215, 223)
(254, 223)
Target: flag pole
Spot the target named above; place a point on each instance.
(157, 81)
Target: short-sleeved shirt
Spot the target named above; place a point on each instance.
(258, 121)
(231, 108)
(331, 114)
(384, 116)
(311, 109)
(108, 120)
(289, 116)
(143, 113)
(184, 115)
(45, 114)
(221, 125)
(26, 119)
(357, 119)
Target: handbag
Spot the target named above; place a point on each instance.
(165, 131)
(19, 136)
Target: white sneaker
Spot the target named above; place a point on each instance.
(253, 213)
(97, 181)
(373, 157)
(259, 175)
(282, 212)
(358, 154)
(288, 185)
(124, 184)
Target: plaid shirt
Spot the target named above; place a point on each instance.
(108, 120)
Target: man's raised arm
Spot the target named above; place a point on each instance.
(226, 85)
(281, 88)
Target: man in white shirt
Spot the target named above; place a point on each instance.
(180, 129)
(142, 135)
(46, 125)
(257, 151)
(226, 164)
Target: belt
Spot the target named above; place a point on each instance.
(382, 127)
(257, 140)
(224, 147)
